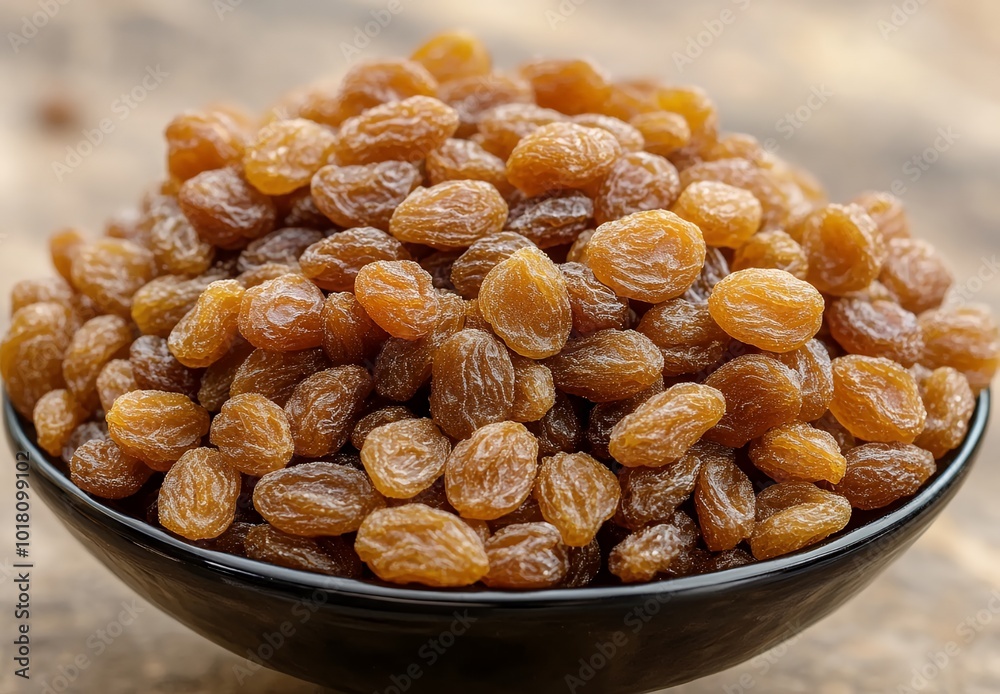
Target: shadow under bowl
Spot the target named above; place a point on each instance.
(357, 637)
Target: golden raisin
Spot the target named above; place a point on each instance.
(844, 249)
(399, 296)
(364, 195)
(471, 267)
(285, 154)
(39, 336)
(594, 306)
(206, 333)
(687, 336)
(727, 216)
(801, 516)
(198, 497)
(879, 474)
(283, 314)
(405, 457)
(877, 400)
(606, 365)
(561, 155)
(224, 209)
(950, 405)
(724, 499)
(404, 130)
(798, 452)
(56, 416)
(452, 55)
(576, 494)
(761, 393)
(99, 467)
(775, 250)
(452, 214)
(876, 329)
(156, 427)
(916, 274)
(644, 554)
(252, 434)
(323, 408)
(526, 556)
(966, 339)
(334, 262)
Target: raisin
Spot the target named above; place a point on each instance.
(594, 306)
(298, 210)
(576, 494)
(799, 452)
(370, 83)
(209, 329)
(950, 405)
(99, 467)
(253, 435)
(491, 473)
(569, 86)
(283, 247)
(404, 130)
(217, 379)
(316, 499)
(200, 141)
(769, 309)
(651, 495)
(419, 544)
(88, 431)
(399, 296)
(526, 556)
(715, 270)
(560, 429)
(585, 565)
(644, 554)
(638, 181)
(662, 429)
(561, 155)
(471, 267)
(651, 256)
(156, 427)
(604, 416)
(283, 314)
(285, 154)
(334, 262)
(727, 216)
(373, 420)
(198, 497)
(109, 272)
(96, 343)
(687, 336)
(472, 97)
(452, 55)
(323, 408)
(887, 212)
(663, 132)
(63, 246)
(724, 499)
(628, 136)
(268, 544)
(275, 374)
(364, 195)
(966, 339)
(159, 305)
(761, 393)
(349, 335)
(155, 368)
(525, 300)
(814, 368)
(876, 329)
(879, 474)
(916, 275)
(115, 380)
(877, 400)
(844, 249)
(534, 390)
(452, 214)
(552, 219)
(224, 209)
(606, 365)
(55, 417)
(741, 173)
(32, 352)
(472, 383)
(52, 289)
(774, 250)
(801, 523)
(176, 245)
(458, 160)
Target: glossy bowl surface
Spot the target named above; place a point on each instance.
(357, 637)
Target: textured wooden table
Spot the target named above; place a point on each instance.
(856, 89)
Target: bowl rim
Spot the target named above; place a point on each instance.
(158, 540)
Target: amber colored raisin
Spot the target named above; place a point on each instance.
(916, 274)
(662, 429)
(109, 271)
(800, 515)
(405, 457)
(349, 335)
(879, 474)
(585, 565)
(604, 416)
(815, 370)
(198, 497)
(33, 291)
(761, 393)
(887, 212)
(404, 130)
(316, 499)
(950, 405)
(224, 209)
(115, 380)
(323, 408)
(715, 270)
(742, 173)
(217, 379)
(283, 246)
(607, 365)
(628, 136)
(877, 400)
(651, 495)
(253, 435)
(569, 86)
(553, 219)
(334, 262)
(275, 374)
(373, 420)
(176, 245)
(39, 336)
(651, 256)
(96, 343)
(283, 314)
(471, 267)
(594, 306)
(399, 296)
(561, 155)
(844, 249)
(876, 329)
(966, 339)
(457, 160)
(687, 336)
(155, 368)
(526, 556)
(418, 544)
(828, 423)
(209, 329)
(268, 544)
(160, 304)
(375, 82)
(157, 427)
(534, 390)
(471, 97)
(769, 309)
(99, 467)
(364, 195)
(638, 181)
(774, 250)
(453, 214)
(452, 55)
(644, 554)
(199, 141)
(285, 154)
(560, 429)
(663, 132)
(472, 383)
(724, 499)
(491, 473)
(525, 300)
(56, 415)
(727, 216)
(63, 246)
(798, 452)
(576, 494)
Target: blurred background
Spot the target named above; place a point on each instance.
(873, 94)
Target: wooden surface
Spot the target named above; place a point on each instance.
(888, 94)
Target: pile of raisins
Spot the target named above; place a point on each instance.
(444, 325)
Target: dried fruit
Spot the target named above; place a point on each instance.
(724, 499)
(877, 400)
(876, 329)
(452, 55)
(404, 130)
(155, 368)
(270, 545)
(252, 434)
(96, 343)
(651, 495)
(38, 338)
(879, 474)
(727, 216)
(281, 247)
(966, 339)
(198, 497)
(687, 336)
(552, 219)
(224, 209)
(534, 390)
(915, 274)
(283, 314)
(798, 452)
(594, 306)
(373, 420)
(109, 272)
(399, 296)
(323, 408)
(365, 194)
(576, 494)
(115, 380)
(471, 267)
(606, 365)
(804, 516)
(844, 249)
(638, 181)
(286, 153)
(453, 214)
(349, 335)
(761, 393)
(814, 368)
(99, 467)
(561, 155)
(644, 554)
(950, 404)
(526, 556)
(334, 262)
(405, 457)
(275, 374)
(774, 250)
(209, 329)
(156, 427)
(56, 416)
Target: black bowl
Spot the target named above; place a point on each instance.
(359, 637)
